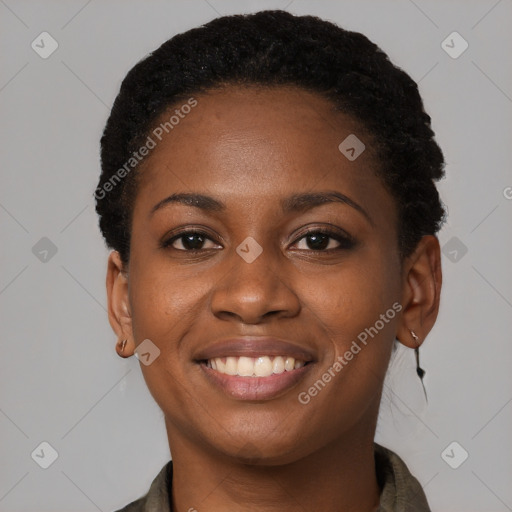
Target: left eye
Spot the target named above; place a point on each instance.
(324, 240)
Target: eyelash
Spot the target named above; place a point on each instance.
(345, 241)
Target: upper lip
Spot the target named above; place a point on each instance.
(254, 346)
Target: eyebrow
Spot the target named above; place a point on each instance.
(294, 203)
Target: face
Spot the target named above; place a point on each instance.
(290, 254)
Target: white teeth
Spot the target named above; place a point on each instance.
(278, 364)
(221, 365)
(245, 366)
(289, 364)
(231, 366)
(262, 366)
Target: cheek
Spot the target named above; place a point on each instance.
(161, 302)
(349, 299)
(356, 312)
(164, 309)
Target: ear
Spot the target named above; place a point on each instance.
(119, 313)
(421, 289)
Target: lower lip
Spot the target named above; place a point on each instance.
(256, 388)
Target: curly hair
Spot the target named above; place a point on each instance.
(276, 48)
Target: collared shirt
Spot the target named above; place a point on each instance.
(401, 492)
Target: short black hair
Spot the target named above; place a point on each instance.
(276, 48)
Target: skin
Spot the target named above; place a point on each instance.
(250, 148)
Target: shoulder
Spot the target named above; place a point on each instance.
(400, 490)
(157, 497)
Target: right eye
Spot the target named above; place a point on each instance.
(189, 240)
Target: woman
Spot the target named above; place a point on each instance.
(268, 191)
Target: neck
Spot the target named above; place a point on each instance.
(338, 477)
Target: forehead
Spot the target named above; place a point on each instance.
(259, 116)
(249, 143)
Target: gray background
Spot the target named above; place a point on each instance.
(60, 379)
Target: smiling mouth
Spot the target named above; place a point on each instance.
(262, 366)
(254, 368)
(256, 378)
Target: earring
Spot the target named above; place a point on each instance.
(419, 370)
(123, 345)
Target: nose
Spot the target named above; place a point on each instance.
(255, 292)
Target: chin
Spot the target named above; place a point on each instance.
(262, 450)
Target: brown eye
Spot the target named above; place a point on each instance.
(189, 241)
(324, 240)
